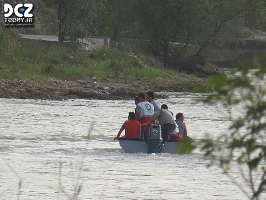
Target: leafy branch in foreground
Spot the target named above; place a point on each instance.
(243, 94)
(77, 185)
(19, 178)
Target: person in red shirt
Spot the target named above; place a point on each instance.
(131, 126)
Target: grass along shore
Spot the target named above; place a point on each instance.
(32, 69)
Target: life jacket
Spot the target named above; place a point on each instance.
(181, 130)
(147, 111)
(175, 135)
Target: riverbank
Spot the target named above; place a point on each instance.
(41, 70)
(89, 88)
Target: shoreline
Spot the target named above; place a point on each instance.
(89, 88)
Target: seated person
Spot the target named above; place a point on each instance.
(131, 126)
(175, 135)
(181, 125)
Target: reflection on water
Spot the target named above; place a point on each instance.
(36, 136)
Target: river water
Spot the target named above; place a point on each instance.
(47, 150)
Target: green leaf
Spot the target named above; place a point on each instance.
(253, 164)
(216, 82)
(237, 124)
(235, 143)
(240, 160)
(185, 145)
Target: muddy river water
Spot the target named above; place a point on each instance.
(47, 150)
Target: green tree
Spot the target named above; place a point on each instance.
(112, 18)
(74, 17)
(256, 15)
(244, 143)
(62, 16)
(159, 24)
(188, 22)
(207, 20)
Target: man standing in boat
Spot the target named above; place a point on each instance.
(166, 120)
(144, 113)
(151, 99)
(136, 103)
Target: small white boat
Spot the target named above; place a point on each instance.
(139, 146)
(152, 145)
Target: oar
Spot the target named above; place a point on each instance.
(160, 148)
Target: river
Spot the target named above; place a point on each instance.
(46, 150)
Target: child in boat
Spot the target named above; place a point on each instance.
(131, 126)
(181, 124)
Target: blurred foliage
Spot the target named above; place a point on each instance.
(256, 15)
(244, 141)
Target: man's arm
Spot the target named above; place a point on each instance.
(155, 116)
(185, 129)
(119, 132)
(138, 111)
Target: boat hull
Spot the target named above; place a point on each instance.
(139, 146)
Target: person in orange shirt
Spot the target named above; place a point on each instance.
(131, 126)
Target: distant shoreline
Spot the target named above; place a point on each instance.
(91, 88)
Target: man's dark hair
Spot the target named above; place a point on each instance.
(136, 98)
(132, 115)
(141, 95)
(164, 106)
(151, 94)
(178, 115)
